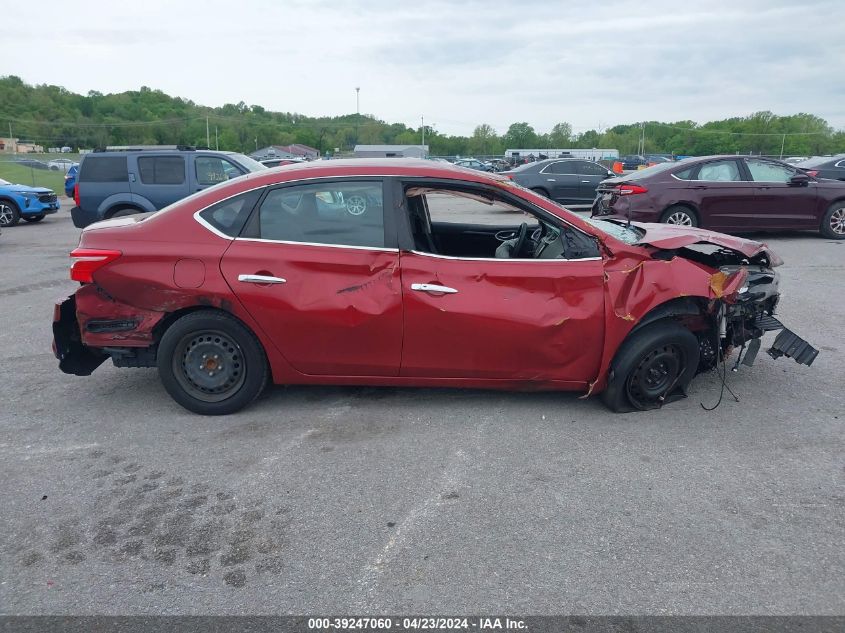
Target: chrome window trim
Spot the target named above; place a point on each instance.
(841, 163)
(502, 259)
(202, 221)
(543, 171)
(218, 233)
(382, 249)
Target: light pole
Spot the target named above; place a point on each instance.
(357, 112)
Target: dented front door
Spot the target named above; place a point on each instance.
(515, 319)
(329, 310)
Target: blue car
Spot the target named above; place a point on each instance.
(70, 179)
(22, 201)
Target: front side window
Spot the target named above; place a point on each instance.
(212, 170)
(470, 223)
(719, 171)
(161, 170)
(764, 171)
(342, 213)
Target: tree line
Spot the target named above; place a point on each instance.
(53, 116)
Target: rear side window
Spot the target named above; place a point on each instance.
(685, 174)
(229, 216)
(104, 169)
(719, 171)
(563, 167)
(162, 170)
(347, 213)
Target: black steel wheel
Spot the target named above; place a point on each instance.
(211, 364)
(655, 362)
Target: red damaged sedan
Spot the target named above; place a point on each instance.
(396, 272)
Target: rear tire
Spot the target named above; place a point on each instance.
(833, 222)
(211, 364)
(33, 218)
(9, 214)
(651, 364)
(680, 215)
(541, 192)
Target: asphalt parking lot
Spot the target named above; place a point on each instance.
(364, 500)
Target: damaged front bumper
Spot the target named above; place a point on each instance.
(752, 315)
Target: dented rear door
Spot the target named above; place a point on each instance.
(322, 278)
(503, 319)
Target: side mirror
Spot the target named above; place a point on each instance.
(799, 180)
(611, 174)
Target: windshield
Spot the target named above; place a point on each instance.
(247, 162)
(622, 232)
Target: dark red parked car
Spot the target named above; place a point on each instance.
(726, 193)
(425, 280)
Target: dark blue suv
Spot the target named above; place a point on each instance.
(118, 182)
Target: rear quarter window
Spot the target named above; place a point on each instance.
(229, 216)
(104, 169)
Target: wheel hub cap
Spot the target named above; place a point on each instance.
(837, 221)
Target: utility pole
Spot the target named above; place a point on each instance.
(357, 112)
(207, 140)
(12, 139)
(216, 140)
(782, 144)
(422, 124)
(642, 151)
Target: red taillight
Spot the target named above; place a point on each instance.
(630, 190)
(812, 173)
(86, 261)
(76, 194)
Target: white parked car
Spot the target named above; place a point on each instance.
(60, 164)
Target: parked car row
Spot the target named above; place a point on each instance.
(267, 278)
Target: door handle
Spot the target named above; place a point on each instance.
(551, 180)
(433, 288)
(587, 181)
(261, 279)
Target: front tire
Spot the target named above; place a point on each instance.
(9, 214)
(211, 364)
(650, 365)
(541, 192)
(680, 215)
(833, 222)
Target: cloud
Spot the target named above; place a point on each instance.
(459, 64)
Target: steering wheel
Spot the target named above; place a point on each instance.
(521, 234)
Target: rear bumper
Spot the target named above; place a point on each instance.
(82, 217)
(74, 357)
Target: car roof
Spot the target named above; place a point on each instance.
(363, 167)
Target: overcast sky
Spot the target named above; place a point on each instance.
(593, 63)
